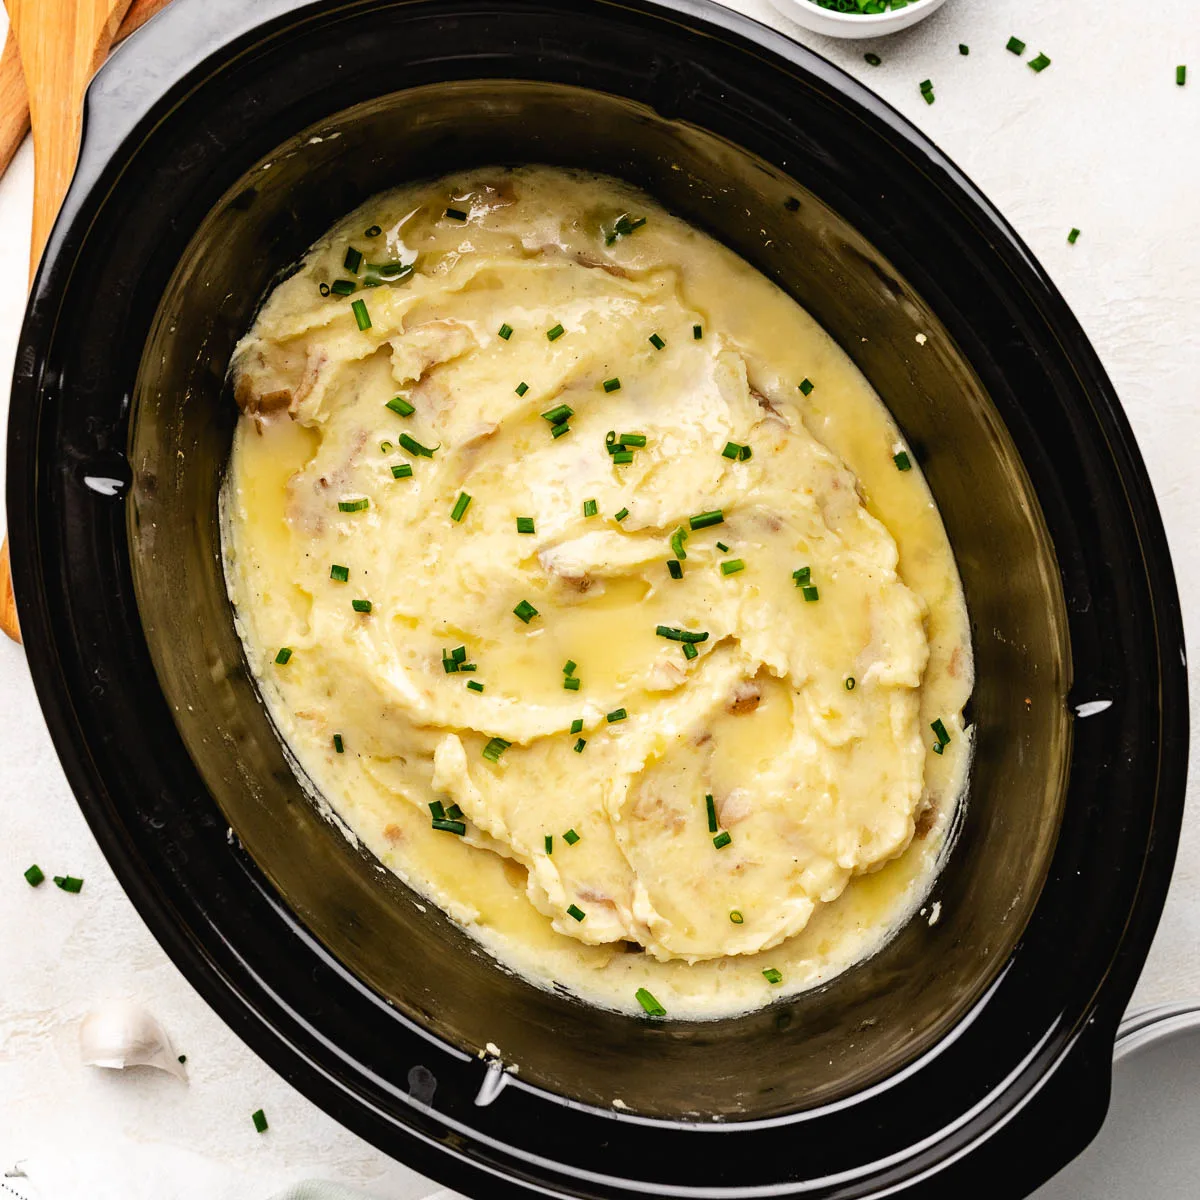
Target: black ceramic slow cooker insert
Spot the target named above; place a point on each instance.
(971, 1055)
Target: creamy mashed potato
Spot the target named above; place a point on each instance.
(594, 588)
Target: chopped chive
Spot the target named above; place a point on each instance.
(260, 1120)
(284, 655)
(34, 875)
(415, 447)
(448, 826)
(772, 976)
(398, 404)
(963, 48)
(621, 457)
(710, 808)
(459, 654)
(525, 525)
(1039, 64)
(570, 837)
(372, 231)
(456, 214)
(674, 568)
(633, 439)
(525, 611)
(705, 519)
(689, 650)
(460, 507)
(521, 388)
(571, 684)
(338, 573)
(938, 748)
(678, 538)
(554, 334)
(939, 730)
(437, 810)
(850, 683)
(386, 447)
(579, 745)
(802, 575)
(648, 1002)
(590, 508)
(570, 666)
(362, 318)
(735, 915)
(455, 813)
(467, 667)
(722, 839)
(679, 635)
(872, 59)
(697, 332)
(617, 714)
(556, 431)
(806, 386)
(620, 516)
(575, 911)
(182, 1058)
(558, 414)
(495, 748)
(577, 725)
(505, 331)
(612, 385)
(927, 85)
(724, 549)
(69, 883)
(548, 841)
(353, 260)
(732, 450)
(343, 287)
(1015, 46)
(359, 505)
(448, 664)
(402, 471)
(474, 685)
(361, 606)
(902, 461)
(1073, 237)
(656, 341)
(323, 288)
(1181, 74)
(810, 593)
(391, 271)
(339, 744)
(731, 566)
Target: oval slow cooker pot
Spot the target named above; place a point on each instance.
(971, 1055)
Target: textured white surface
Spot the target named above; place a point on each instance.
(1102, 140)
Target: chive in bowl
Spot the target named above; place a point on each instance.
(852, 23)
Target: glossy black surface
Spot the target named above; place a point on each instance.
(219, 143)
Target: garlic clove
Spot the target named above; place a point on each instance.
(120, 1034)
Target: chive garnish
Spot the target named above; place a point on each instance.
(343, 287)
(732, 450)
(939, 730)
(284, 655)
(575, 911)
(390, 271)
(437, 810)
(711, 809)
(525, 525)
(467, 667)
(569, 667)
(474, 685)
(361, 606)
(1015, 46)
(323, 288)
(722, 839)
(806, 386)
(731, 566)
(456, 214)
(772, 976)
(620, 516)
(558, 414)
(555, 333)
(963, 48)
(1073, 237)
(359, 505)
(938, 748)
(679, 635)
(612, 385)
(556, 431)
(386, 447)
(69, 883)
(460, 507)
(415, 447)
(637, 440)
(674, 568)
(339, 744)
(689, 650)
(902, 461)
(621, 457)
(648, 1002)
(802, 575)
(697, 332)
(872, 59)
(372, 231)
(521, 388)
(402, 471)
(34, 875)
(724, 549)
(590, 508)
(455, 813)
(617, 714)
(579, 745)
(850, 683)
(505, 331)
(678, 538)
(260, 1120)
(353, 260)
(548, 841)
(1181, 74)
(656, 341)
(525, 611)
(448, 826)
(495, 748)
(735, 915)
(361, 317)
(1039, 64)
(705, 519)
(448, 664)
(398, 404)
(623, 227)
(338, 573)
(571, 684)
(810, 593)
(570, 837)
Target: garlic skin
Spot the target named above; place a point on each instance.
(120, 1034)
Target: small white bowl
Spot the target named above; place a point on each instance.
(852, 25)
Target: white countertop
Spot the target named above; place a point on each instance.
(1102, 140)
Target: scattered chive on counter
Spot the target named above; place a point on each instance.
(69, 883)
(284, 656)
(648, 1002)
(1039, 64)
(260, 1120)
(34, 875)
(1181, 75)
(927, 90)
(1072, 237)
(1015, 46)
(872, 59)
(963, 48)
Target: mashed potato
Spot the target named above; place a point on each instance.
(593, 587)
